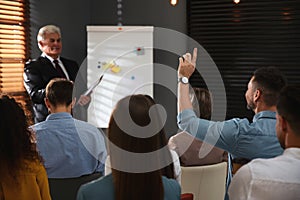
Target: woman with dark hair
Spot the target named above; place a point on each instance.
(141, 162)
(163, 142)
(22, 175)
(192, 151)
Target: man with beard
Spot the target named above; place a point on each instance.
(239, 137)
(279, 177)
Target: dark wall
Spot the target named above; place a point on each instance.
(70, 16)
(156, 13)
(73, 16)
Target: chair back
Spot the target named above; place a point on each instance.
(66, 188)
(187, 196)
(205, 182)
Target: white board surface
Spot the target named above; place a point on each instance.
(129, 49)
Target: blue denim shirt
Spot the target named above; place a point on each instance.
(70, 148)
(237, 136)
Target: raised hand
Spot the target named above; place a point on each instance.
(187, 64)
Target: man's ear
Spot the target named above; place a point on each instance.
(257, 95)
(284, 124)
(47, 103)
(41, 43)
(73, 102)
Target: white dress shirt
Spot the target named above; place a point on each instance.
(275, 178)
(60, 64)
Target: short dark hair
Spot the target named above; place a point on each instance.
(269, 80)
(288, 106)
(59, 91)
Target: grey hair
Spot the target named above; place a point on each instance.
(48, 29)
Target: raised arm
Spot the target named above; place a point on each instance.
(186, 68)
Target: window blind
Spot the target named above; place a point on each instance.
(243, 37)
(14, 24)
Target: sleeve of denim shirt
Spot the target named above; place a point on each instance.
(221, 134)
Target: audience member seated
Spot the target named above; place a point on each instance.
(191, 150)
(22, 174)
(279, 177)
(70, 148)
(176, 163)
(175, 158)
(239, 137)
(142, 166)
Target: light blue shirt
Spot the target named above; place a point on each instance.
(70, 148)
(103, 188)
(241, 138)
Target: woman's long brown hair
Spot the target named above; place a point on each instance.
(16, 140)
(141, 185)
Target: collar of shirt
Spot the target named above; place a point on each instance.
(51, 59)
(59, 115)
(59, 62)
(264, 114)
(292, 152)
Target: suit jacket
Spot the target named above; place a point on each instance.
(37, 74)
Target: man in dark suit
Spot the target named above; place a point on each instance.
(49, 65)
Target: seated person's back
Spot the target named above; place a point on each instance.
(22, 174)
(103, 188)
(141, 162)
(70, 148)
(191, 150)
(176, 163)
(279, 177)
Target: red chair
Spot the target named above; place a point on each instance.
(187, 196)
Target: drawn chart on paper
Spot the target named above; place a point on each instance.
(123, 56)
